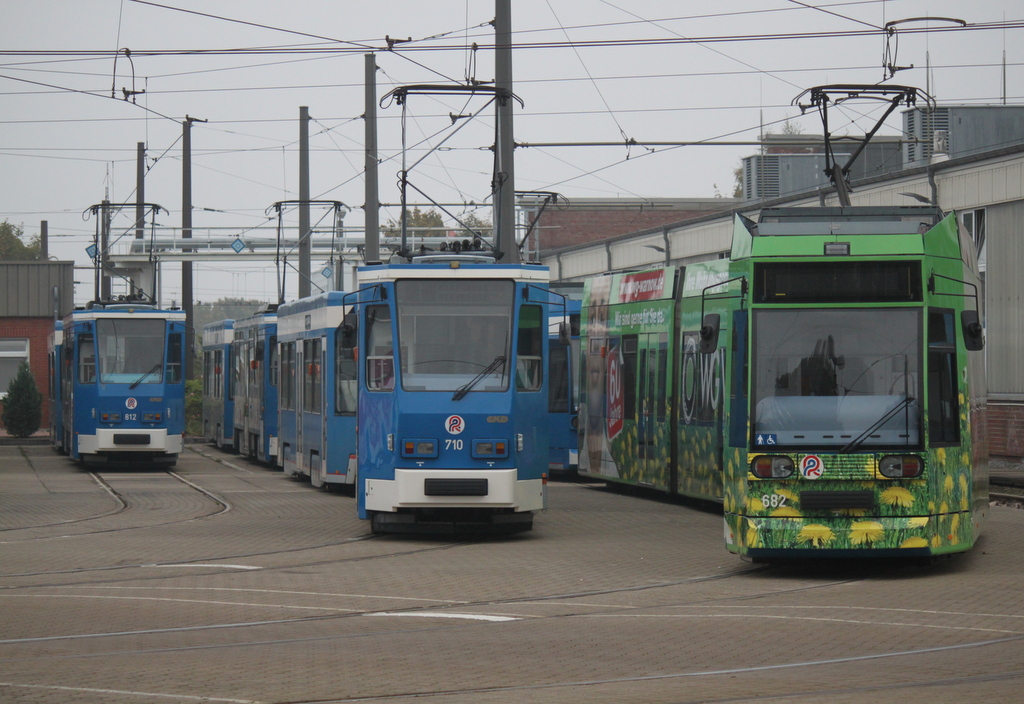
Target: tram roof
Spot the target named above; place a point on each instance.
(860, 220)
(454, 268)
(126, 311)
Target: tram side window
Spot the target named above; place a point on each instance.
(943, 402)
(345, 369)
(380, 352)
(558, 383)
(67, 365)
(274, 361)
(236, 364)
(529, 346)
(287, 398)
(629, 376)
(86, 359)
(174, 357)
(312, 379)
(661, 394)
(218, 373)
(208, 374)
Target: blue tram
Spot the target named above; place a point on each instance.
(452, 394)
(218, 396)
(317, 420)
(122, 383)
(563, 390)
(254, 380)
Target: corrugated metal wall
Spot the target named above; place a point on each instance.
(26, 288)
(1004, 328)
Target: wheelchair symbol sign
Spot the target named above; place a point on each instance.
(766, 439)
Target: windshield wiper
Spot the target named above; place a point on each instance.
(886, 417)
(465, 388)
(138, 381)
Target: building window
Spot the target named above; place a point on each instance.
(12, 353)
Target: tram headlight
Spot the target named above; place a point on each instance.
(110, 417)
(771, 466)
(900, 466)
(419, 447)
(151, 417)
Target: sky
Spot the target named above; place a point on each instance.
(593, 71)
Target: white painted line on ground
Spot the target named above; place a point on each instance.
(198, 564)
(442, 614)
(130, 693)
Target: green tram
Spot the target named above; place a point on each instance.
(824, 383)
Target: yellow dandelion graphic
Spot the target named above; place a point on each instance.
(786, 512)
(853, 512)
(914, 543)
(864, 532)
(917, 522)
(791, 495)
(752, 535)
(940, 456)
(897, 496)
(815, 534)
(944, 508)
(936, 541)
(954, 524)
(755, 505)
(963, 483)
(931, 507)
(947, 485)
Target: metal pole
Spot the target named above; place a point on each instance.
(505, 215)
(304, 234)
(371, 246)
(44, 240)
(140, 190)
(186, 233)
(104, 244)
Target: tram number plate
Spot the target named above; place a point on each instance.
(773, 500)
(129, 439)
(455, 487)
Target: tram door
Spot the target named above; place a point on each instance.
(646, 361)
(300, 405)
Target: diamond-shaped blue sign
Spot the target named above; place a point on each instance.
(91, 251)
(326, 273)
(238, 245)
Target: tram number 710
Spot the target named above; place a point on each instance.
(450, 444)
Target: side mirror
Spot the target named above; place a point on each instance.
(974, 334)
(563, 334)
(709, 333)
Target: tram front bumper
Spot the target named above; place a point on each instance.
(130, 440)
(849, 536)
(455, 488)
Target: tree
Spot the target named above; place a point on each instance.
(417, 218)
(12, 247)
(23, 407)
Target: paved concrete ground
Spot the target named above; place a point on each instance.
(226, 582)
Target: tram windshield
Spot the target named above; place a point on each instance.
(838, 379)
(452, 331)
(130, 351)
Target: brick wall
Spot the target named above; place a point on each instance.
(37, 331)
(1006, 429)
(564, 228)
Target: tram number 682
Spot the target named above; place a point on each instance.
(452, 444)
(773, 500)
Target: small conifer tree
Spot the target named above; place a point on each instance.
(23, 407)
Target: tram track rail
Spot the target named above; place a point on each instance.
(123, 505)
